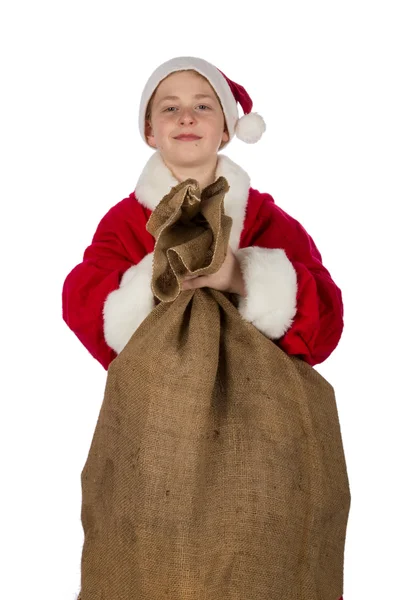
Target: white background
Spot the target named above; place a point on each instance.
(325, 77)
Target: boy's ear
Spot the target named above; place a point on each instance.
(225, 135)
(148, 130)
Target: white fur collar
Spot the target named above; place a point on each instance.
(156, 180)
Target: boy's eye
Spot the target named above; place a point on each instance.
(172, 108)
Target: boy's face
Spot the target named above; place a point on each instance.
(194, 110)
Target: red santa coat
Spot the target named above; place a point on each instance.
(290, 295)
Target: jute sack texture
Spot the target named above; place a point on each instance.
(216, 469)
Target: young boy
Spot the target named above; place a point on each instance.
(188, 112)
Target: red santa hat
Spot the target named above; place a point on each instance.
(248, 128)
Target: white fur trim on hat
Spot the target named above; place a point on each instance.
(271, 288)
(209, 71)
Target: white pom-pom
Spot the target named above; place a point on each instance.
(250, 128)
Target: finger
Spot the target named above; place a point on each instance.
(185, 285)
(195, 283)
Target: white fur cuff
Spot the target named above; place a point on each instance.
(271, 286)
(126, 308)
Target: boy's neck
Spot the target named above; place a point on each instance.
(203, 174)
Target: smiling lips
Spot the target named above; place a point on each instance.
(187, 137)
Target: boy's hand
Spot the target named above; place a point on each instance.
(228, 279)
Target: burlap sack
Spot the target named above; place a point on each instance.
(216, 469)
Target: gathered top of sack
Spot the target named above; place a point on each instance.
(192, 234)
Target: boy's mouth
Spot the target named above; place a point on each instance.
(187, 137)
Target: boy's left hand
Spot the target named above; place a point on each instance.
(229, 278)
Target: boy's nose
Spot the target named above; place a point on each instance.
(186, 116)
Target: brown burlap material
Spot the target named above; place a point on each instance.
(216, 469)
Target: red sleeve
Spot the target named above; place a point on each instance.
(318, 322)
(119, 242)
